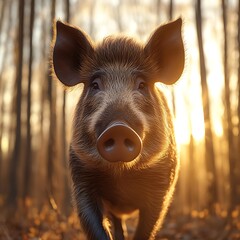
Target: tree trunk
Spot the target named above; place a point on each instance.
(209, 150)
(1, 135)
(170, 9)
(228, 122)
(91, 28)
(119, 15)
(42, 155)
(158, 8)
(28, 161)
(14, 164)
(238, 110)
(9, 25)
(2, 13)
(52, 125)
(6, 8)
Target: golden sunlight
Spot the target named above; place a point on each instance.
(55, 143)
(197, 122)
(4, 143)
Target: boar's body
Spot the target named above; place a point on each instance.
(119, 90)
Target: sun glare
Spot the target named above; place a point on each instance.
(181, 131)
(4, 144)
(197, 123)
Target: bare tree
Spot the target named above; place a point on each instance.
(158, 8)
(119, 19)
(170, 9)
(52, 125)
(192, 171)
(28, 160)
(91, 18)
(2, 13)
(6, 9)
(14, 164)
(209, 150)
(238, 110)
(228, 122)
(1, 134)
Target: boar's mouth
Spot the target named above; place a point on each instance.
(119, 142)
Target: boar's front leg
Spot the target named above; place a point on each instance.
(91, 218)
(149, 222)
(88, 205)
(119, 231)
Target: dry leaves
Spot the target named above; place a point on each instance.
(49, 224)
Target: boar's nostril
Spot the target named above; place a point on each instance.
(119, 142)
(109, 144)
(129, 144)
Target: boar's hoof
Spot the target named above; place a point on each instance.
(119, 142)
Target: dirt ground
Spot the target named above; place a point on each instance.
(49, 224)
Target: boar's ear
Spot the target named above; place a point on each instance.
(165, 50)
(70, 47)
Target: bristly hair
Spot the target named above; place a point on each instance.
(120, 50)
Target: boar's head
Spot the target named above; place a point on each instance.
(119, 76)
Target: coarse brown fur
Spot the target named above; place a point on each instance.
(124, 72)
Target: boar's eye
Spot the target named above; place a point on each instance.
(96, 84)
(140, 85)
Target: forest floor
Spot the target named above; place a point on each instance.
(49, 224)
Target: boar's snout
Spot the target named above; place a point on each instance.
(119, 142)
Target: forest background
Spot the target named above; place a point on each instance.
(36, 112)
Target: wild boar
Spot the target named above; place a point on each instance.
(123, 154)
